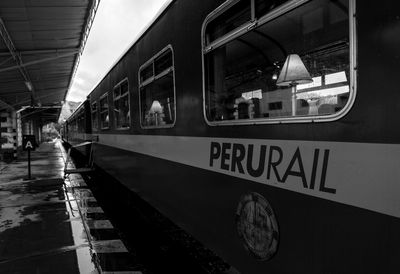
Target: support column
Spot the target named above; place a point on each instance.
(8, 130)
(3, 129)
(14, 133)
(19, 130)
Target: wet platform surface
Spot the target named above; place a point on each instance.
(54, 225)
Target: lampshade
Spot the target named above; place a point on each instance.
(29, 86)
(156, 107)
(293, 72)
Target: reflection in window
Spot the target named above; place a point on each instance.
(95, 117)
(236, 16)
(104, 112)
(121, 105)
(80, 122)
(263, 7)
(157, 91)
(241, 74)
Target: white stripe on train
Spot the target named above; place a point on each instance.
(364, 175)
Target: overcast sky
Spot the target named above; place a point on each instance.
(117, 24)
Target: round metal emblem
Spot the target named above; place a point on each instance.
(257, 226)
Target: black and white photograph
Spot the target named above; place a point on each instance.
(199, 137)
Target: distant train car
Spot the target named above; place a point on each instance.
(266, 129)
(63, 132)
(78, 128)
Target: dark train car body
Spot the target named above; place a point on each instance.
(274, 175)
(77, 129)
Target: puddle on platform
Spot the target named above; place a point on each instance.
(13, 217)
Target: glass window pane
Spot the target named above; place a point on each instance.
(124, 88)
(264, 7)
(157, 102)
(241, 75)
(117, 92)
(122, 116)
(81, 121)
(163, 62)
(104, 113)
(233, 18)
(95, 123)
(146, 73)
(121, 106)
(157, 96)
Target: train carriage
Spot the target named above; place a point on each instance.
(265, 129)
(77, 129)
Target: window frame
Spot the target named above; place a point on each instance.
(91, 114)
(80, 119)
(129, 104)
(156, 77)
(253, 23)
(108, 110)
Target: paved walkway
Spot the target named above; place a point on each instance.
(41, 230)
(54, 225)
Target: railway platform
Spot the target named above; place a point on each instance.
(52, 224)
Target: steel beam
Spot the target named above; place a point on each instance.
(16, 56)
(42, 51)
(22, 65)
(4, 105)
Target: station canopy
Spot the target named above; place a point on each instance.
(40, 46)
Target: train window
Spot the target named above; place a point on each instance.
(121, 105)
(163, 62)
(74, 127)
(95, 116)
(244, 72)
(157, 91)
(263, 7)
(104, 112)
(81, 122)
(233, 18)
(146, 73)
